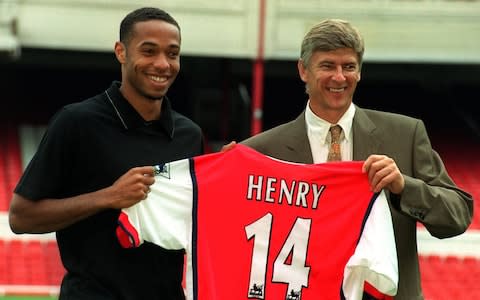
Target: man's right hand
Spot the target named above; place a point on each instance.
(132, 187)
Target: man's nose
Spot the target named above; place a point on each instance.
(338, 75)
(161, 62)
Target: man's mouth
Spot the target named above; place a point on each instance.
(336, 90)
(159, 79)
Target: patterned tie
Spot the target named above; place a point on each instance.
(334, 151)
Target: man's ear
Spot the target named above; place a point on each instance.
(120, 52)
(359, 76)
(301, 70)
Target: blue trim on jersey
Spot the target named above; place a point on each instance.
(194, 227)
(131, 236)
(365, 218)
(367, 214)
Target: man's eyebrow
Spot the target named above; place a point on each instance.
(174, 46)
(148, 43)
(326, 61)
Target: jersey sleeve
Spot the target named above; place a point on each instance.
(375, 258)
(164, 217)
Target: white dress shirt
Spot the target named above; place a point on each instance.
(319, 137)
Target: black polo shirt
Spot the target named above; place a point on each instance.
(87, 146)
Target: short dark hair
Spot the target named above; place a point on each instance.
(141, 15)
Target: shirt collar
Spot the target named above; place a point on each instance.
(131, 119)
(320, 127)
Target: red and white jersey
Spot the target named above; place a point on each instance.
(255, 227)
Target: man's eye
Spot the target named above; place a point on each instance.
(350, 68)
(148, 51)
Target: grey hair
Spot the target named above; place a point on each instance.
(331, 34)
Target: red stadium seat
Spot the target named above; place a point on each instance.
(450, 277)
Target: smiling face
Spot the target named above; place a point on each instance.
(150, 60)
(331, 78)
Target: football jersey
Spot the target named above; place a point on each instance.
(255, 227)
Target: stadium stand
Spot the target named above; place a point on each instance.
(10, 162)
(450, 277)
(29, 267)
(461, 158)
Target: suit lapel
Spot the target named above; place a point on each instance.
(366, 139)
(365, 136)
(296, 140)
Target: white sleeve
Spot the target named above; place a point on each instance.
(375, 258)
(164, 218)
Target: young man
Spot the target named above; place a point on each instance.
(89, 166)
(396, 149)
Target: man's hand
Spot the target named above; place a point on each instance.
(383, 173)
(228, 146)
(132, 187)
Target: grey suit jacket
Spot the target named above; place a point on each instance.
(430, 196)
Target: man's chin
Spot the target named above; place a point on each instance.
(154, 96)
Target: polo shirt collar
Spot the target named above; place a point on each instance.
(131, 119)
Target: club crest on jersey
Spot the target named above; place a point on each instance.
(162, 170)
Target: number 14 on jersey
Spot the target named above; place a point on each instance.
(289, 266)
